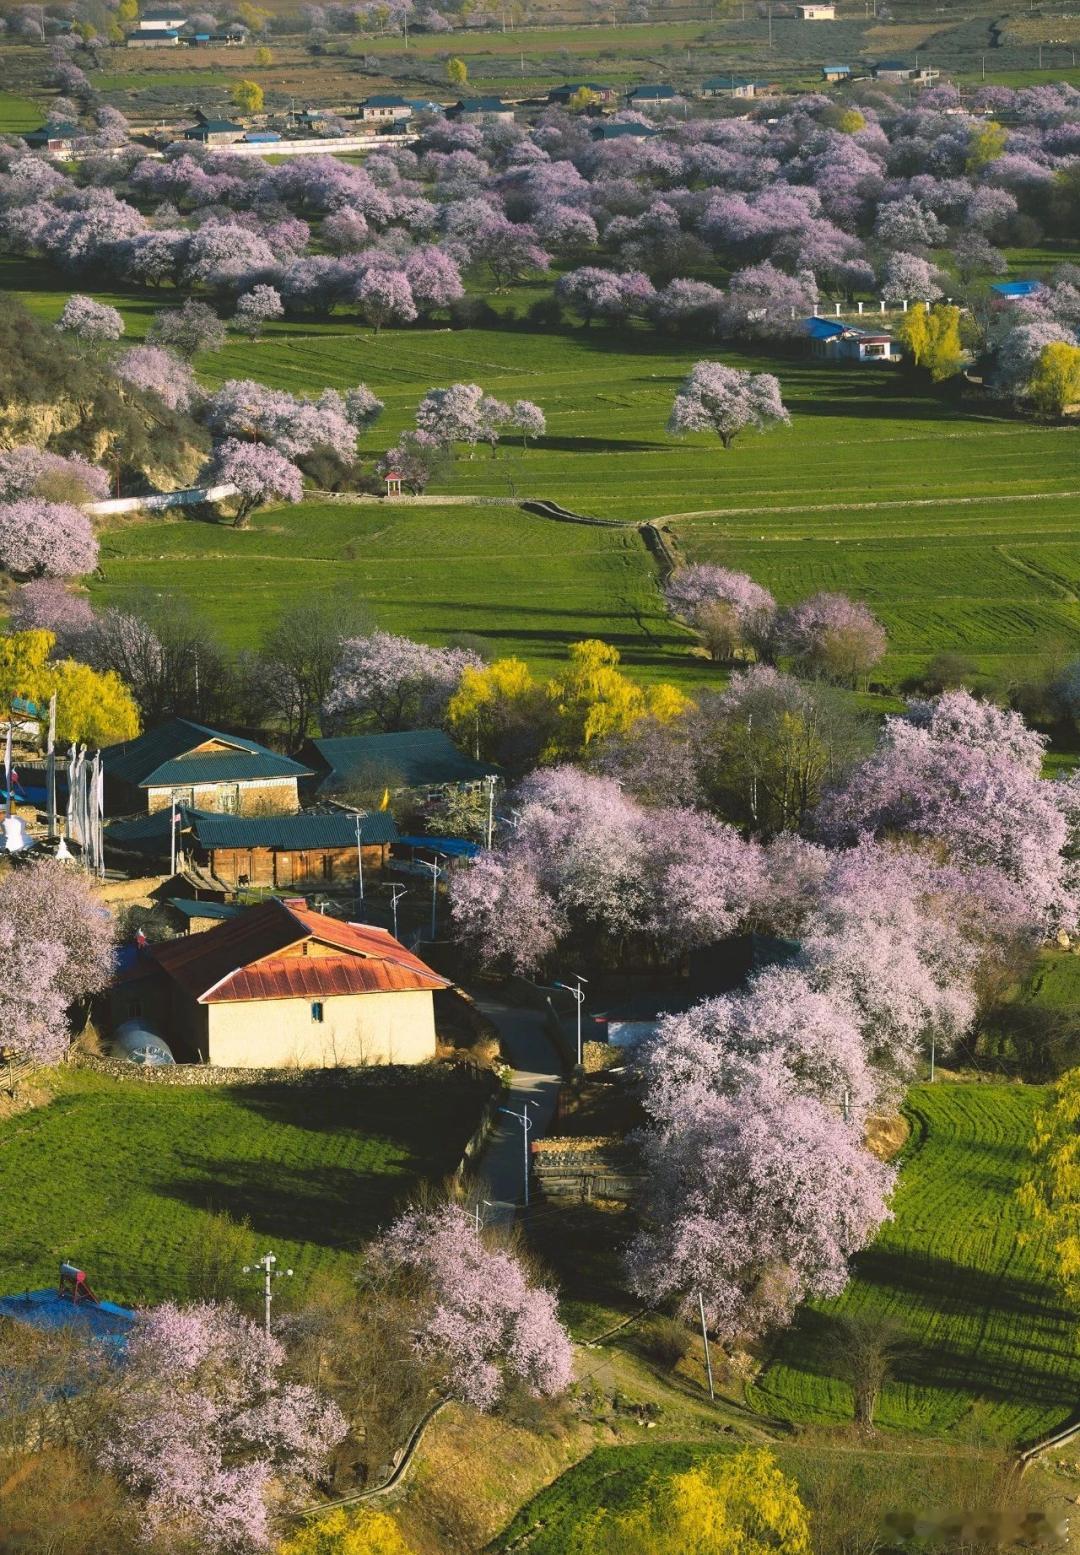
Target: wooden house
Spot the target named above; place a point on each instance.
(423, 763)
(185, 763)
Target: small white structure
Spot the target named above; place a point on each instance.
(15, 837)
(816, 13)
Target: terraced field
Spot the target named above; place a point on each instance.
(994, 1354)
(524, 584)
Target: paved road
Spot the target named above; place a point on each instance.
(536, 1083)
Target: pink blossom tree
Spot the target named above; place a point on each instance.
(726, 401)
(90, 321)
(434, 278)
(528, 419)
(155, 370)
(28, 471)
(702, 590)
(206, 1430)
(47, 604)
(399, 683)
(56, 947)
(384, 297)
(46, 539)
(259, 473)
(483, 1322)
(832, 636)
(756, 1199)
(189, 329)
(256, 308)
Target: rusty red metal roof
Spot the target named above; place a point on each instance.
(262, 955)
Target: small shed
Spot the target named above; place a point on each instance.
(816, 12)
(836, 72)
(569, 89)
(261, 137)
(57, 137)
(623, 131)
(729, 86)
(1014, 291)
(215, 132)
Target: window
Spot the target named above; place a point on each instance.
(316, 1011)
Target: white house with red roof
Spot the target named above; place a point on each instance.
(280, 987)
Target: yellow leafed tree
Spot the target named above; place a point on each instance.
(248, 96)
(985, 146)
(91, 707)
(741, 1505)
(1055, 383)
(933, 338)
(343, 1533)
(593, 698)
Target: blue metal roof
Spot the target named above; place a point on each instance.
(824, 329)
(836, 70)
(193, 909)
(261, 137)
(47, 1309)
(1015, 288)
(452, 847)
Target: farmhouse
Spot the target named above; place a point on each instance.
(563, 94)
(834, 341)
(185, 763)
(836, 72)
(279, 987)
(55, 136)
(898, 70)
(424, 763)
(162, 20)
(385, 108)
(816, 13)
(153, 40)
(214, 132)
(730, 86)
(474, 110)
(651, 97)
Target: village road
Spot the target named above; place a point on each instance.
(534, 1087)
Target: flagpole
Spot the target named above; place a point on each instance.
(10, 807)
(50, 770)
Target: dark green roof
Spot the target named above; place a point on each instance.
(54, 130)
(310, 829)
(213, 127)
(483, 105)
(385, 100)
(167, 757)
(193, 909)
(418, 758)
(207, 829)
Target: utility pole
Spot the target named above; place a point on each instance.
(490, 832)
(50, 770)
(933, 1054)
(265, 1266)
(435, 873)
(172, 839)
(705, 1337)
(396, 892)
(526, 1126)
(359, 860)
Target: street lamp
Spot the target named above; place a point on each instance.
(265, 1266)
(435, 873)
(579, 999)
(526, 1125)
(359, 860)
(396, 893)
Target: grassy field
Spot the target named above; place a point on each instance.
(994, 1354)
(955, 520)
(526, 585)
(18, 113)
(120, 1175)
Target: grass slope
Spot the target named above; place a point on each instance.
(526, 584)
(957, 523)
(993, 1349)
(18, 114)
(120, 1175)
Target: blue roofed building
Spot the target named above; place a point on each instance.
(651, 96)
(1014, 291)
(622, 131)
(836, 72)
(70, 1306)
(835, 340)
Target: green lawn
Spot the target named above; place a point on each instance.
(18, 114)
(994, 1351)
(120, 1175)
(527, 585)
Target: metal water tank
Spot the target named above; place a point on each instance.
(135, 1041)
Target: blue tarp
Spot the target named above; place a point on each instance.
(452, 847)
(47, 1309)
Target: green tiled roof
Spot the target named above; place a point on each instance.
(416, 757)
(165, 757)
(311, 829)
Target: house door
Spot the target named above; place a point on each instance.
(284, 868)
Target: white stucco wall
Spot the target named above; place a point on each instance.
(373, 1028)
